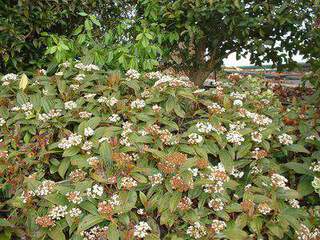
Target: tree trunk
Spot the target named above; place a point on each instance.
(198, 76)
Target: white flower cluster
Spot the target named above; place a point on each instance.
(95, 191)
(216, 108)
(279, 181)
(194, 138)
(156, 179)
(53, 113)
(256, 137)
(237, 126)
(75, 212)
(133, 74)
(285, 139)
(218, 225)
(89, 96)
(234, 137)
(114, 118)
(79, 77)
(236, 173)
(6, 79)
(126, 129)
(58, 212)
(88, 132)
(238, 95)
(141, 230)
(74, 197)
(204, 127)
(93, 161)
(156, 108)
(218, 176)
(294, 203)
(216, 204)
(138, 104)
(238, 103)
(70, 105)
(2, 122)
(128, 182)
(315, 166)
(197, 230)
(114, 200)
(87, 67)
(45, 188)
(95, 233)
(73, 140)
(74, 86)
(85, 114)
(87, 145)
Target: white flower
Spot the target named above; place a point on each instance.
(138, 104)
(102, 99)
(95, 192)
(279, 181)
(237, 95)
(234, 137)
(140, 211)
(285, 139)
(59, 74)
(156, 108)
(89, 96)
(195, 138)
(216, 108)
(156, 179)
(237, 102)
(46, 187)
(79, 77)
(9, 77)
(112, 101)
(72, 140)
(194, 171)
(128, 182)
(218, 225)
(74, 197)
(114, 118)
(86, 67)
(27, 106)
(197, 230)
(70, 105)
(204, 127)
(58, 212)
(2, 122)
(114, 200)
(87, 145)
(256, 137)
(88, 131)
(75, 212)
(85, 114)
(216, 204)
(132, 74)
(141, 230)
(74, 86)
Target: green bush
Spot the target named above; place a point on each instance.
(88, 154)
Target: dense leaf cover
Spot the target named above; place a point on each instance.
(88, 154)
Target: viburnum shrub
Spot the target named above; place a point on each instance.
(88, 154)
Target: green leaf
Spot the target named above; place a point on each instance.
(63, 167)
(71, 151)
(56, 233)
(174, 201)
(88, 221)
(226, 159)
(113, 233)
(297, 148)
(105, 152)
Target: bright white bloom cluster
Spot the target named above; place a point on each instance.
(93, 161)
(256, 137)
(194, 171)
(6, 79)
(53, 113)
(75, 212)
(112, 101)
(70, 105)
(95, 191)
(95, 233)
(133, 74)
(128, 182)
(86, 67)
(173, 81)
(238, 95)
(74, 86)
(234, 137)
(218, 225)
(156, 108)
(58, 212)
(195, 138)
(197, 230)
(88, 131)
(114, 200)
(216, 204)
(2, 122)
(138, 104)
(294, 203)
(285, 139)
(87, 145)
(237, 102)
(65, 64)
(26, 196)
(102, 99)
(79, 77)
(141, 230)
(237, 126)
(85, 114)
(236, 173)
(45, 188)
(315, 166)
(59, 73)
(27, 106)
(279, 181)
(126, 129)
(204, 127)
(89, 96)
(218, 176)
(156, 179)
(114, 118)
(264, 208)
(216, 108)
(154, 75)
(73, 140)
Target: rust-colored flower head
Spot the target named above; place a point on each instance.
(180, 185)
(176, 158)
(45, 221)
(248, 207)
(202, 163)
